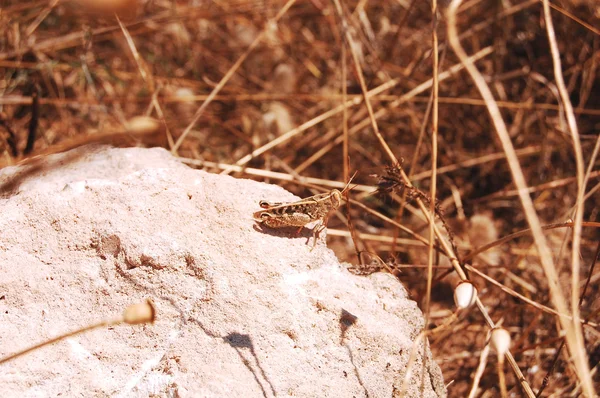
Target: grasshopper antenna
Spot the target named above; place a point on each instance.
(348, 183)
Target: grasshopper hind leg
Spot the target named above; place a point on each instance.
(316, 232)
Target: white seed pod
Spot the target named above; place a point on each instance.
(179, 32)
(142, 125)
(465, 294)
(500, 340)
(278, 118)
(482, 229)
(245, 33)
(186, 104)
(140, 313)
(284, 79)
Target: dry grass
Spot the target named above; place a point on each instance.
(503, 133)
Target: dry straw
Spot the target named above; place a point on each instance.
(135, 314)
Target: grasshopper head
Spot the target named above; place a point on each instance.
(336, 198)
(261, 216)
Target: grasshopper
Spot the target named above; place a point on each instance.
(298, 214)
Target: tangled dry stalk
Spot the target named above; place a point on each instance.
(493, 106)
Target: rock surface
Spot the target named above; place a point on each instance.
(240, 312)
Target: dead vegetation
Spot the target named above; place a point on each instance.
(299, 92)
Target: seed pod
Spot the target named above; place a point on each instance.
(500, 340)
(465, 294)
(140, 313)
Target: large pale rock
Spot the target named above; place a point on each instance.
(241, 313)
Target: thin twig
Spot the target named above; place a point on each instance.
(433, 188)
(483, 356)
(577, 346)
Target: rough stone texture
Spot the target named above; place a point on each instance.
(241, 313)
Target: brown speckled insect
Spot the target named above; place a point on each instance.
(298, 214)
